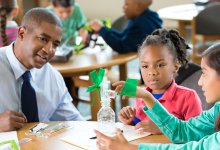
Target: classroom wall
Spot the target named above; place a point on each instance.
(113, 8)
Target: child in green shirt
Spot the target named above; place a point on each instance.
(72, 18)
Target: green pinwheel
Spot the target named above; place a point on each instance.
(96, 80)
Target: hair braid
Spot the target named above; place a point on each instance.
(180, 45)
(172, 40)
(3, 21)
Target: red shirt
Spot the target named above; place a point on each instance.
(180, 101)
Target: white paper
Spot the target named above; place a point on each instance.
(6, 136)
(130, 133)
(84, 130)
(81, 134)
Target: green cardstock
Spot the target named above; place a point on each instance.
(13, 144)
(129, 88)
(96, 80)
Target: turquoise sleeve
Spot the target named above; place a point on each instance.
(208, 142)
(179, 131)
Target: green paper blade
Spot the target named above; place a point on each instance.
(94, 77)
(97, 80)
(129, 88)
(101, 75)
(91, 88)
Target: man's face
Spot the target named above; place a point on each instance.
(63, 12)
(130, 9)
(38, 45)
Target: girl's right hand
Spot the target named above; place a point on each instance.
(126, 115)
(140, 92)
(147, 97)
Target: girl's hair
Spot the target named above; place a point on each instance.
(63, 3)
(6, 7)
(212, 55)
(172, 40)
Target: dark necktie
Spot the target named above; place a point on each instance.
(28, 99)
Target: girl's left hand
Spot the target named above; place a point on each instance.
(113, 143)
(147, 126)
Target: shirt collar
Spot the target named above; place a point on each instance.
(169, 93)
(18, 68)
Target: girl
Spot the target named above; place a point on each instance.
(72, 18)
(8, 27)
(197, 133)
(160, 56)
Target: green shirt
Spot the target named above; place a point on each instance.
(196, 133)
(73, 23)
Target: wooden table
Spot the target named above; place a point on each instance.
(91, 59)
(54, 142)
(183, 14)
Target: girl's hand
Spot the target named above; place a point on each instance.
(140, 93)
(113, 143)
(147, 126)
(126, 115)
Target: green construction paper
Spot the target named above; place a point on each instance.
(79, 47)
(107, 22)
(129, 88)
(88, 28)
(13, 144)
(96, 80)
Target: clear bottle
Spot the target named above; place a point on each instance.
(106, 115)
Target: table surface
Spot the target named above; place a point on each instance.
(91, 59)
(184, 12)
(55, 142)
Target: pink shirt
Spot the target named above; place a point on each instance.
(180, 101)
(11, 32)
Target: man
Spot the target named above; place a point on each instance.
(31, 89)
(142, 21)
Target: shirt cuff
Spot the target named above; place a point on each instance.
(158, 114)
(103, 31)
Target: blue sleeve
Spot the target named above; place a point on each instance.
(124, 42)
(134, 34)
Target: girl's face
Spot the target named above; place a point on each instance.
(210, 82)
(63, 12)
(157, 67)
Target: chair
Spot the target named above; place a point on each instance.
(120, 23)
(205, 27)
(189, 77)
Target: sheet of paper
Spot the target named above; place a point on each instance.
(130, 133)
(6, 136)
(83, 131)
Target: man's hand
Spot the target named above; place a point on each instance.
(11, 120)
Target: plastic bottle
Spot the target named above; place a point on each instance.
(106, 116)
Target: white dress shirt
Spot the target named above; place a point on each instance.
(53, 99)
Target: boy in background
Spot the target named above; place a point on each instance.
(141, 22)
